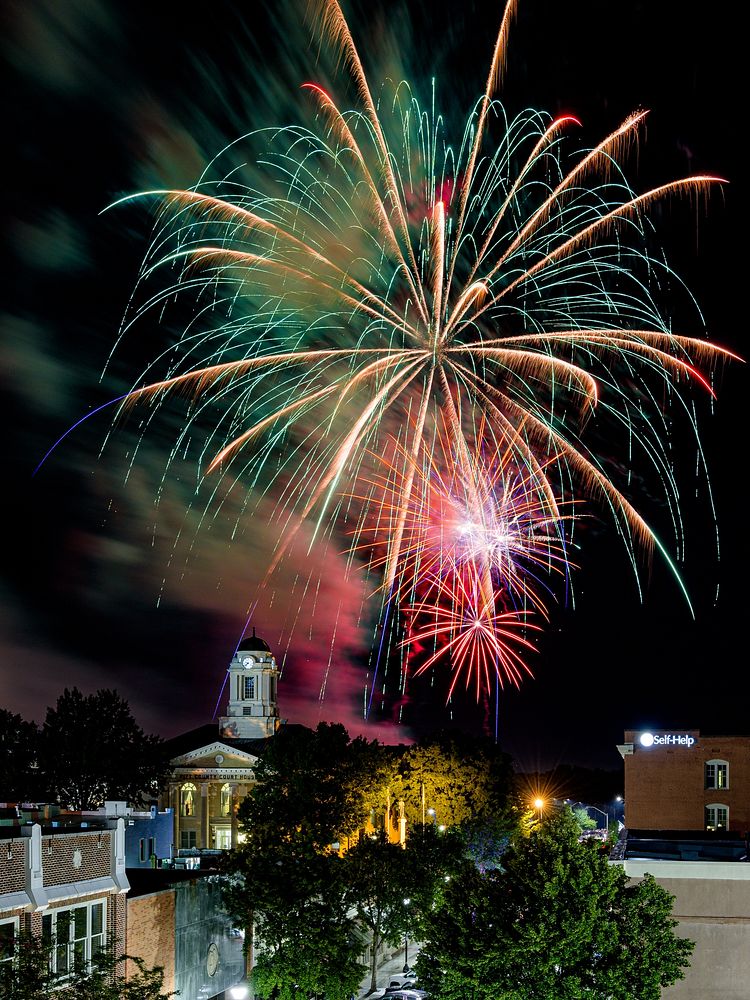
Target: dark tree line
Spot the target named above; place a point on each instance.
(89, 749)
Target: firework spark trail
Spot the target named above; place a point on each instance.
(480, 330)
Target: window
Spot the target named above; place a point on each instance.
(226, 799)
(223, 838)
(248, 690)
(77, 935)
(8, 931)
(187, 839)
(717, 774)
(147, 848)
(717, 817)
(187, 799)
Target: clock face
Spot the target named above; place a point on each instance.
(212, 959)
(248, 661)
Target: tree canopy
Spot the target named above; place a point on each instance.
(557, 922)
(317, 870)
(452, 779)
(92, 749)
(316, 782)
(19, 750)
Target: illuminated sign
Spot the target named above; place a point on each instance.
(667, 740)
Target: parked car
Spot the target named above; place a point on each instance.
(399, 979)
(405, 993)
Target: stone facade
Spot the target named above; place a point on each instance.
(206, 786)
(214, 766)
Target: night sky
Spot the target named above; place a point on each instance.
(105, 587)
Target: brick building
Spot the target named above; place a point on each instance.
(67, 882)
(687, 816)
(683, 780)
(176, 919)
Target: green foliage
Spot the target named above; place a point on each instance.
(28, 977)
(19, 751)
(582, 818)
(460, 778)
(314, 788)
(558, 922)
(92, 749)
(487, 838)
(392, 888)
(317, 788)
(295, 897)
(318, 781)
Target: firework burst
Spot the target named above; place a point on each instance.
(461, 305)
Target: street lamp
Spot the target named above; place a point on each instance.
(431, 812)
(406, 942)
(605, 815)
(539, 805)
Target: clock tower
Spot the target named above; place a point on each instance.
(252, 708)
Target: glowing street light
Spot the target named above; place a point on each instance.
(539, 806)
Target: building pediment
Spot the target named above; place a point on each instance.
(206, 757)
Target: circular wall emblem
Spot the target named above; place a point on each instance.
(219, 758)
(647, 739)
(77, 858)
(212, 959)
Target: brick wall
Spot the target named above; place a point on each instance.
(150, 932)
(665, 786)
(12, 865)
(59, 857)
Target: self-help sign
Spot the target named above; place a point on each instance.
(667, 740)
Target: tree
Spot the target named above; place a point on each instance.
(558, 922)
(315, 779)
(453, 779)
(18, 758)
(314, 790)
(391, 889)
(92, 749)
(294, 897)
(29, 977)
(582, 818)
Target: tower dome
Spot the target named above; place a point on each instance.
(253, 644)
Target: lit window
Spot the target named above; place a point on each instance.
(8, 932)
(717, 774)
(249, 688)
(187, 799)
(77, 935)
(226, 799)
(717, 817)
